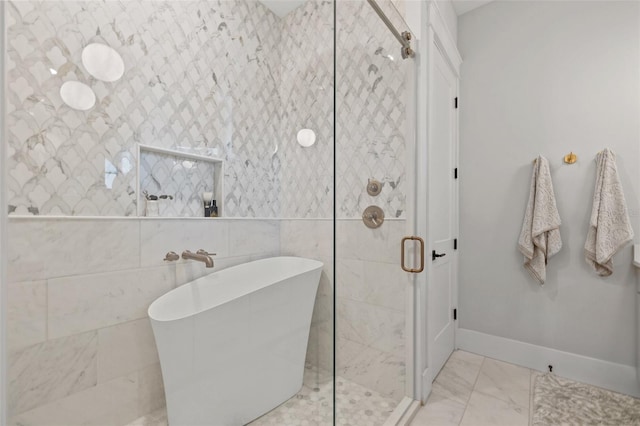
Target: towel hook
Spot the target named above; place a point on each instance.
(570, 158)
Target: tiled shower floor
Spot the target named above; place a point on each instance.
(355, 406)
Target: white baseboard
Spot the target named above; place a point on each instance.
(616, 377)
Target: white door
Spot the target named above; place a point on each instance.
(442, 210)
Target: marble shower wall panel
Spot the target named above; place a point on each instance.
(313, 238)
(371, 293)
(306, 89)
(371, 103)
(225, 78)
(200, 76)
(371, 106)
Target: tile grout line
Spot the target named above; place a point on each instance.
(466, 405)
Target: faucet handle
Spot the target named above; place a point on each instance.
(171, 256)
(204, 252)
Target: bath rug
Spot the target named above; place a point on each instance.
(558, 401)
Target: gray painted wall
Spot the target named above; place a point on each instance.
(546, 78)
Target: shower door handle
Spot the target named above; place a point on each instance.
(412, 270)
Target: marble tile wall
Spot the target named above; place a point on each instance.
(81, 348)
(313, 238)
(306, 90)
(50, 259)
(199, 75)
(371, 292)
(372, 100)
(371, 130)
(228, 78)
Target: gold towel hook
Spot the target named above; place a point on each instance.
(570, 158)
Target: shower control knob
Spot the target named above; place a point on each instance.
(374, 187)
(373, 217)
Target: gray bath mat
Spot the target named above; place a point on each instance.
(558, 401)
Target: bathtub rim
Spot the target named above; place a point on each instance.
(159, 303)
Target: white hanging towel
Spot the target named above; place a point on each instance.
(609, 227)
(540, 235)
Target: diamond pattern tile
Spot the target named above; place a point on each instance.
(223, 75)
(371, 102)
(198, 74)
(306, 90)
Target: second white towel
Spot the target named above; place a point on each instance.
(540, 236)
(609, 227)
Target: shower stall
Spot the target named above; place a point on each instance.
(135, 131)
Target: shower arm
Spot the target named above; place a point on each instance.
(404, 38)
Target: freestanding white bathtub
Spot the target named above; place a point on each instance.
(232, 344)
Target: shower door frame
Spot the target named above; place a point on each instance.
(409, 405)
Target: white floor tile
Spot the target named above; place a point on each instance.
(489, 410)
(439, 410)
(475, 391)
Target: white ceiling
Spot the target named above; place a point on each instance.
(464, 6)
(282, 7)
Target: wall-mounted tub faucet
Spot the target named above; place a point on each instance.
(172, 256)
(200, 256)
(206, 253)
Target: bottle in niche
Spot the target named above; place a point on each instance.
(214, 209)
(206, 198)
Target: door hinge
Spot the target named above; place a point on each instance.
(455, 173)
(455, 314)
(455, 244)
(456, 102)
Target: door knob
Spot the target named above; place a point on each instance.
(435, 255)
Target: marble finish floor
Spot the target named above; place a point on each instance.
(472, 390)
(355, 406)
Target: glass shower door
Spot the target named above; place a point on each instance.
(374, 172)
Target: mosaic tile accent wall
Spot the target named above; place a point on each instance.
(198, 74)
(371, 101)
(227, 76)
(307, 102)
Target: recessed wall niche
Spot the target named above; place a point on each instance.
(178, 179)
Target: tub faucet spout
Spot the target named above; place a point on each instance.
(199, 256)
